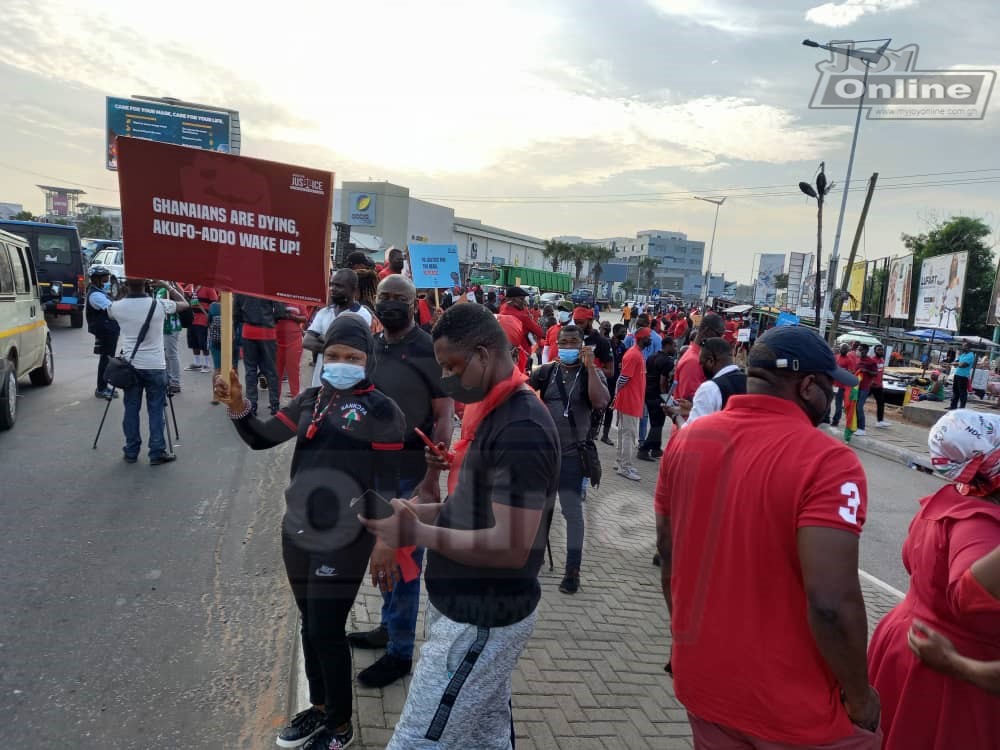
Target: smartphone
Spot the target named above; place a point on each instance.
(380, 508)
(443, 455)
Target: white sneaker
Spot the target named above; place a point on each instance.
(883, 423)
(631, 473)
(860, 432)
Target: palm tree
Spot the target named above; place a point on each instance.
(579, 254)
(626, 288)
(598, 256)
(555, 252)
(648, 266)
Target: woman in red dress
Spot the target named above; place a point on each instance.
(948, 546)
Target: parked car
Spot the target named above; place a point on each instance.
(583, 296)
(112, 258)
(550, 298)
(25, 347)
(59, 264)
(92, 247)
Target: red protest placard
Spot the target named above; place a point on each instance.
(230, 222)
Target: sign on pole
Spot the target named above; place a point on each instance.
(939, 296)
(230, 222)
(855, 287)
(994, 315)
(434, 266)
(897, 297)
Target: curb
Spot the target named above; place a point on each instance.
(917, 461)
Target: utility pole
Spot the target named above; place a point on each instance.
(819, 243)
(838, 304)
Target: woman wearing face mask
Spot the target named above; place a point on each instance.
(563, 318)
(347, 440)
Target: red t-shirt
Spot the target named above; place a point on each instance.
(688, 373)
(630, 398)
(552, 341)
(849, 362)
(679, 328)
(732, 328)
(743, 653)
(206, 295)
(880, 363)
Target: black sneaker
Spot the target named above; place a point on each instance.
(656, 560)
(303, 726)
(385, 671)
(570, 582)
(643, 455)
(327, 740)
(262, 383)
(371, 639)
(608, 441)
(163, 458)
(656, 453)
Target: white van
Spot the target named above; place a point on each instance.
(25, 347)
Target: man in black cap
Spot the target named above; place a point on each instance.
(516, 305)
(765, 532)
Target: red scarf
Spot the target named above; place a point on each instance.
(476, 413)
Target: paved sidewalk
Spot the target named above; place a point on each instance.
(592, 676)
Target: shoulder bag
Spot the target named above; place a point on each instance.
(586, 448)
(120, 373)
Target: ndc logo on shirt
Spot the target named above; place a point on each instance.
(304, 184)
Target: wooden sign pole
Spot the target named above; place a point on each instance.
(226, 362)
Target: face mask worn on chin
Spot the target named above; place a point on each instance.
(394, 314)
(452, 386)
(569, 356)
(342, 376)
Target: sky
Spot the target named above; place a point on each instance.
(593, 118)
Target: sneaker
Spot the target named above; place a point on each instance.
(608, 441)
(883, 423)
(862, 433)
(631, 473)
(656, 453)
(163, 458)
(192, 368)
(643, 455)
(371, 639)
(262, 383)
(570, 582)
(303, 726)
(205, 368)
(107, 394)
(385, 671)
(327, 740)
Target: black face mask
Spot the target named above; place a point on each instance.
(452, 386)
(396, 266)
(340, 300)
(394, 314)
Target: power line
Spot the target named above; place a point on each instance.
(58, 179)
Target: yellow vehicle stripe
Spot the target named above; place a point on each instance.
(21, 329)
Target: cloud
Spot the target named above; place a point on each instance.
(721, 16)
(847, 12)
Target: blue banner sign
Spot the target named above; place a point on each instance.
(434, 266)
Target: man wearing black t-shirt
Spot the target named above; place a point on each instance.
(406, 372)
(485, 543)
(659, 376)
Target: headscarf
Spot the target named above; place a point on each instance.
(350, 329)
(583, 313)
(965, 448)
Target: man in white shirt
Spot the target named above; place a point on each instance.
(149, 362)
(723, 379)
(343, 298)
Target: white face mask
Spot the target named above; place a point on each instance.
(564, 317)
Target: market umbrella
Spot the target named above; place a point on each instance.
(930, 333)
(977, 340)
(862, 337)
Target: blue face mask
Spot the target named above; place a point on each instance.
(569, 356)
(342, 376)
(106, 287)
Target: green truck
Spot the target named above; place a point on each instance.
(546, 281)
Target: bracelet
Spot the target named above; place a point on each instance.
(247, 408)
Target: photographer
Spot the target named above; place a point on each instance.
(149, 362)
(104, 330)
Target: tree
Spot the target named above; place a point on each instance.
(579, 254)
(23, 216)
(555, 252)
(648, 267)
(627, 287)
(599, 255)
(781, 281)
(874, 298)
(97, 227)
(960, 233)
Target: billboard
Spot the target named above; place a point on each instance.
(808, 298)
(897, 293)
(855, 287)
(60, 204)
(939, 294)
(165, 123)
(231, 222)
(799, 266)
(434, 266)
(993, 318)
(771, 264)
(362, 210)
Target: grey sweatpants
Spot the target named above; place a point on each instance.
(460, 693)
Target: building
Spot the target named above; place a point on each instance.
(112, 213)
(60, 202)
(10, 210)
(481, 243)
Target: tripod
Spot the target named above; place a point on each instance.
(173, 415)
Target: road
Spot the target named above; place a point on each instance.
(142, 606)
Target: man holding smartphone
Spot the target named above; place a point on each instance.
(659, 378)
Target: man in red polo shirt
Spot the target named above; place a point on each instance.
(759, 541)
(688, 373)
(394, 263)
(516, 305)
(629, 401)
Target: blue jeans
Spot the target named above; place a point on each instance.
(839, 408)
(401, 605)
(571, 504)
(154, 383)
(862, 397)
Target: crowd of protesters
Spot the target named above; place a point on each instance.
(752, 504)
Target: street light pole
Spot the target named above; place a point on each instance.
(711, 248)
(867, 58)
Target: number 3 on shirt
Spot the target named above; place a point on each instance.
(849, 512)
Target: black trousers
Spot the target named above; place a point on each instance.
(609, 413)
(261, 357)
(105, 346)
(959, 391)
(878, 393)
(654, 438)
(324, 586)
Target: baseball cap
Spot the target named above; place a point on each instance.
(798, 349)
(516, 291)
(642, 334)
